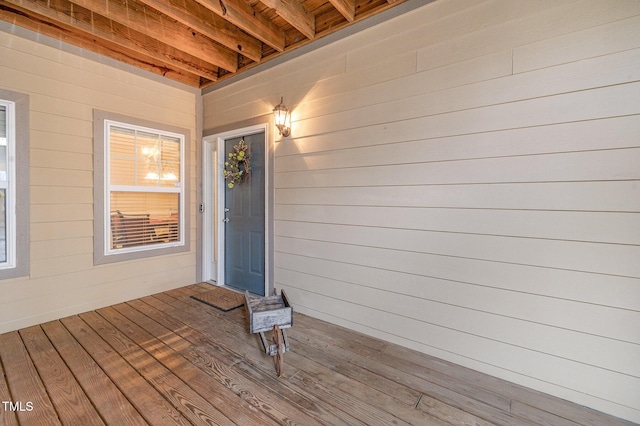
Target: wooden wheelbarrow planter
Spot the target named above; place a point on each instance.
(271, 313)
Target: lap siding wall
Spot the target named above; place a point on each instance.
(464, 180)
(64, 88)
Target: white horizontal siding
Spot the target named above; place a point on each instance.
(466, 319)
(423, 119)
(495, 356)
(64, 89)
(610, 259)
(503, 302)
(577, 196)
(613, 291)
(586, 226)
(536, 21)
(619, 132)
(577, 166)
(67, 246)
(61, 212)
(465, 180)
(76, 82)
(621, 35)
(72, 300)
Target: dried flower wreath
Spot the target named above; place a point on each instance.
(238, 166)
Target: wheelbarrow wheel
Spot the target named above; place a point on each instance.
(278, 340)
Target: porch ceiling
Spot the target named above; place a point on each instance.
(196, 42)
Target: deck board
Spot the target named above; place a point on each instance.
(6, 417)
(180, 356)
(142, 395)
(190, 312)
(71, 403)
(113, 406)
(167, 359)
(317, 384)
(24, 383)
(188, 402)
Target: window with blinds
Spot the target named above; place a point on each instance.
(145, 191)
(7, 185)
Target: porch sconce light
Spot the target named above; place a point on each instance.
(282, 119)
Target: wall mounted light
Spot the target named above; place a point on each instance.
(282, 118)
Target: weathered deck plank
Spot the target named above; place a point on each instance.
(188, 312)
(353, 409)
(359, 408)
(177, 355)
(149, 403)
(71, 403)
(7, 417)
(340, 389)
(483, 404)
(167, 359)
(208, 348)
(23, 380)
(190, 404)
(113, 406)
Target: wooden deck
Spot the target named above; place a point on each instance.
(168, 359)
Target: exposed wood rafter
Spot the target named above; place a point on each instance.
(346, 7)
(293, 12)
(203, 20)
(153, 24)
(119, 53)
(244, 17)
(196, 42)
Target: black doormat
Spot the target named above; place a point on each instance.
(221, 298)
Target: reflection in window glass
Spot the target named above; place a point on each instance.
(145, 191)
(3, 227)
(6, 192)
(3, 142)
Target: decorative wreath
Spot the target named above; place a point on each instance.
(237, 167)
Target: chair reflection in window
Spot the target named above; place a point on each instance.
(128, 230)
(165, 228)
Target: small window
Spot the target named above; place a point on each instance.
(141, 188)
(14, 184)
(7, 185)
(144, 200)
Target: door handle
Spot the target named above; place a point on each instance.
(226, 209)
(225, 220)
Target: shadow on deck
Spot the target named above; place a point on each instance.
(167, 359)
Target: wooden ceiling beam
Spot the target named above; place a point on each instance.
(294, 12)
(151, 23)
(203, 20)
(85, 25)
(42, 25)
(244, 17)
(193, 41)
(347, 8)
(134, 59)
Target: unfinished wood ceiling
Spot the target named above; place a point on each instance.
(196, 42)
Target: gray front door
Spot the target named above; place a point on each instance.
(244, 243)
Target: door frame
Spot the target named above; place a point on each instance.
(213, 187)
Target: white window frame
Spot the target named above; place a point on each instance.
(10, 185)
(181, 190)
